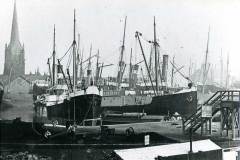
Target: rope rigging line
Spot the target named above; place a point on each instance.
(177, 70)
(160, 49)
(51, 56)
(135, 49)
(60, 59)
(69, 61)
(149, 41)
(146, 39)
(88, 59)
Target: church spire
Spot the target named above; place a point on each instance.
(14, 52)
(14, 32)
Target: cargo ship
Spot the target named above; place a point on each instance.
(65, 101)
(63, 107)
(183, 102)
(152, 96)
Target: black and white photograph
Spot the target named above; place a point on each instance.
(119, 80)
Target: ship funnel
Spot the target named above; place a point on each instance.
(59, 75)
(164, 68)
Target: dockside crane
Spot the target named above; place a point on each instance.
(137, 34)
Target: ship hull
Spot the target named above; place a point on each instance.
(183, 103)
(1, 96)
(84, 106)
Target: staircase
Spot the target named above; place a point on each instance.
(195, 121)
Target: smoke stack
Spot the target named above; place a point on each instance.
(164, 68)
(59, 68)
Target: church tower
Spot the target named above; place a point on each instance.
(14, 51)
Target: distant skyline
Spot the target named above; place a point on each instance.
(182, 27)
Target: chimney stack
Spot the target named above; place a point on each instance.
(164, 68)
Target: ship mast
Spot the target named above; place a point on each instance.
(121, 65)
(205, 69)
(78, 58)
(81, 68)
(74, 65)
(130, 71)
(97, 69)
(74, 52)
(227, 75)
(89, 71)
(221, 71)
(150, 61)
(156, 57)
(54, 58)
(172, 75)
(190, 69)
(50, 72)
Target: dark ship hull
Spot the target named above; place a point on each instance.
(86, 106)
(184, 103)
(1, 94)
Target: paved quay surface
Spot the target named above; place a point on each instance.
(173, 130)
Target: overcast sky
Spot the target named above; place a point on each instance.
(182, 27)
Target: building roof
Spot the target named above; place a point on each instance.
(19, 77)
(29, 77)
(34, 77)
(22, 77)
(150, 153)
